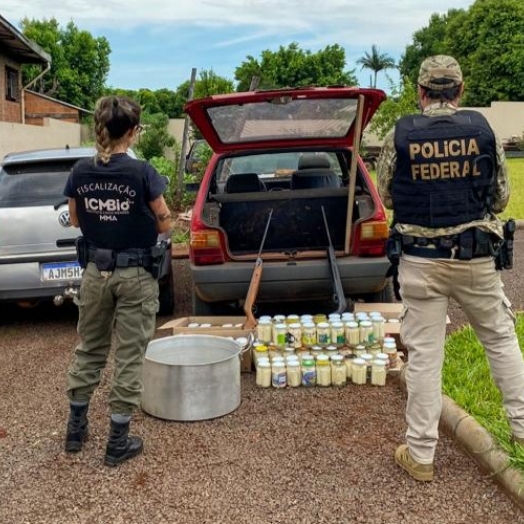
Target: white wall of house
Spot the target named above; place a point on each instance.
(54, 133)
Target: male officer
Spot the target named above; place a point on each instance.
(444, 175)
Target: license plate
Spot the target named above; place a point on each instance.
(60, 271)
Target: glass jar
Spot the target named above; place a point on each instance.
(338, 336)
(378, 328)
(361, 315)
(352, 333)
(390, 349)
(334, 317)
(263, 378)
(359, 350)
(319, 317)
(359, 371)
(288, 351)
(374, 349)
(316, 351)
(280, 332)
(330, 351)
(260, 351)
(279, 319)
(305, 355)
(378, 372)
(292, 319)
(309, 373)
(384, 357)
(295, 335)
(323, 371)
(309, 334)
(366, 332)
(348, 362)
(294, 376)
(347, 317)
(389, 340)
(274, 352)
(338, 371)
(306, 319)
(278, 374)
(323, 334)
(368, 359)
(265, 331)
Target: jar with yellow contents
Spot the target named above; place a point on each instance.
(323, 371)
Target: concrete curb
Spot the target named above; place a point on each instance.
(478, 444)
(519, 224)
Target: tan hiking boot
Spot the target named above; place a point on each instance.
(420, 472)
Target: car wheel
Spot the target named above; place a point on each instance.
(385, 295)
(166, 295)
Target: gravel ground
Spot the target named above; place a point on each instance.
(294, 456)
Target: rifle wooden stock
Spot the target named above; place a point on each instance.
(252, 295)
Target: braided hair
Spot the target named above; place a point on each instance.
(114, 117)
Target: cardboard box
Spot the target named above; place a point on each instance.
(181, 326)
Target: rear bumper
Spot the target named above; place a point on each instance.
(289, 281)
(21, 282)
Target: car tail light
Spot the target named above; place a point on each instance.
(370, 238)
(206, 247)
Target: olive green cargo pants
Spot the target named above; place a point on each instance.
(128, 301)
(426, 285)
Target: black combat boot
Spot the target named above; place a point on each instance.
(76, 428)
(120, 446)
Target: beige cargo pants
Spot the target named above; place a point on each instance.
(426, 286)
(128, 302)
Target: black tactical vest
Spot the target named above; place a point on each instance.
(111, 203)
(446, 169)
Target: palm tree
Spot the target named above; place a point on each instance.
(376, 61)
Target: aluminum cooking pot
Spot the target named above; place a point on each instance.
(192, 377)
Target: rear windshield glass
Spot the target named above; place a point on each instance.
(34, 184)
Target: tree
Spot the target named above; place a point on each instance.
(402, 101)
(428, 41)
(155, 138)
(376, 62)
(80, 62)
(293, 67)
(489, 45)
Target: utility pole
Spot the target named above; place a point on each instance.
(181, 162)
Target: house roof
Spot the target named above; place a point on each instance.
(18, 47)
(46, 97)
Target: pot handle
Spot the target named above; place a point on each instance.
(249, 344)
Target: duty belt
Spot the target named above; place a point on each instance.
(135, 257)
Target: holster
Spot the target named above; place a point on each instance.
(158, 257)
(82, 252)
(105, 259)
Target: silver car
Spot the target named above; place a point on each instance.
(38, 259)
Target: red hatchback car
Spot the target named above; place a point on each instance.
(281, 186)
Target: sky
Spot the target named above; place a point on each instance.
(156, 43)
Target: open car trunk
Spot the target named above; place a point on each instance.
(297, 224)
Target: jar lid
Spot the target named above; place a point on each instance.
(206, 325)
(293, 362)
(309, 325)
(280, 326)
(306, 317)
(263, 318)
(347, 316)
(379, 362)
(337, 358)
(366, 356)
(389, 345)
(337, 324)
(295, 325)
(289, 350)
(365, 323)
(278, 318)
(382, 355)
(389, 339)
(359, 362)
(308, 362)
(316, 348)
(264, 321)
(263, 364)
(377, 319)
(322, 360)
(352, 324)
(323, 325)
(278, 360)
(360, 347)
(292, 317)
(331, 348)
(263, 359)
(261, 348)
(307, 356)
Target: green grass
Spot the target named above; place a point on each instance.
(467, 380)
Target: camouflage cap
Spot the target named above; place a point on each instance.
(440, 72)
